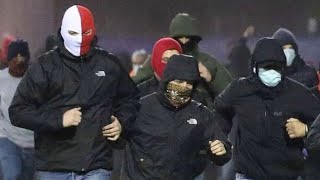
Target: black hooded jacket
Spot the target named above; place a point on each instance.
(263, 149)
(165, 140)
(298, 70)
(58, 82)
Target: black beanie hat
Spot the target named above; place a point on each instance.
(268, 50)
(181, 67)
(18, 47)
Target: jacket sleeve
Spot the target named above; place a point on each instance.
(126, 103)
(310, 108)
(223, 106)
(26, 110)
(313, 139)
(213, 132)
(314, 81)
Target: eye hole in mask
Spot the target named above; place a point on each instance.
(72, 33)
(88, 33)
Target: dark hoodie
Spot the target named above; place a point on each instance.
(165, 140)
(263, 149)
(298, 71)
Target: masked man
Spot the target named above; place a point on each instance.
(296, 68)
(68, 98)
(171, 128)
(274, 114)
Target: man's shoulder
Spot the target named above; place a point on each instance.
(47, 58)
(107, 57)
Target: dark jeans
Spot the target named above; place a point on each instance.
(98, 174)
(15, 162)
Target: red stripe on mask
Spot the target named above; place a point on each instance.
(87, 23)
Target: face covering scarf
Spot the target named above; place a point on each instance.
(178, 95)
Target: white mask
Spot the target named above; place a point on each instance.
(80, 20)
(270, 78)
(290, 55)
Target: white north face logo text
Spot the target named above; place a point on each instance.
(192, 121)
(100, 73)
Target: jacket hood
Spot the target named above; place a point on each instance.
(284, 36)
(179, 67)
(184, 25)
(268, 50)
(158, 49)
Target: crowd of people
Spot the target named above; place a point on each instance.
(81, 112)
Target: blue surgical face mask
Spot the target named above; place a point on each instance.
(270, 78)
(290, 55)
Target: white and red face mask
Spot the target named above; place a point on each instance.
(78, 30)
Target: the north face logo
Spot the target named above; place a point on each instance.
(192, 121)
(100, 73)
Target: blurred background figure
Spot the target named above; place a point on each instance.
(7, 39)
(138, 58)
(49, 44)
(125, 60)
(296, 68)
(312, 26)
(240, 54)
(16, 144)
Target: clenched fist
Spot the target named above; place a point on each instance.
(72, 117)
(295, 128)
(112, 131)
(217, 148)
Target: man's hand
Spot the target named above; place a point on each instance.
(204, 72)
(72, 117)
(217, 148)
(112, 131)
(295, 128)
